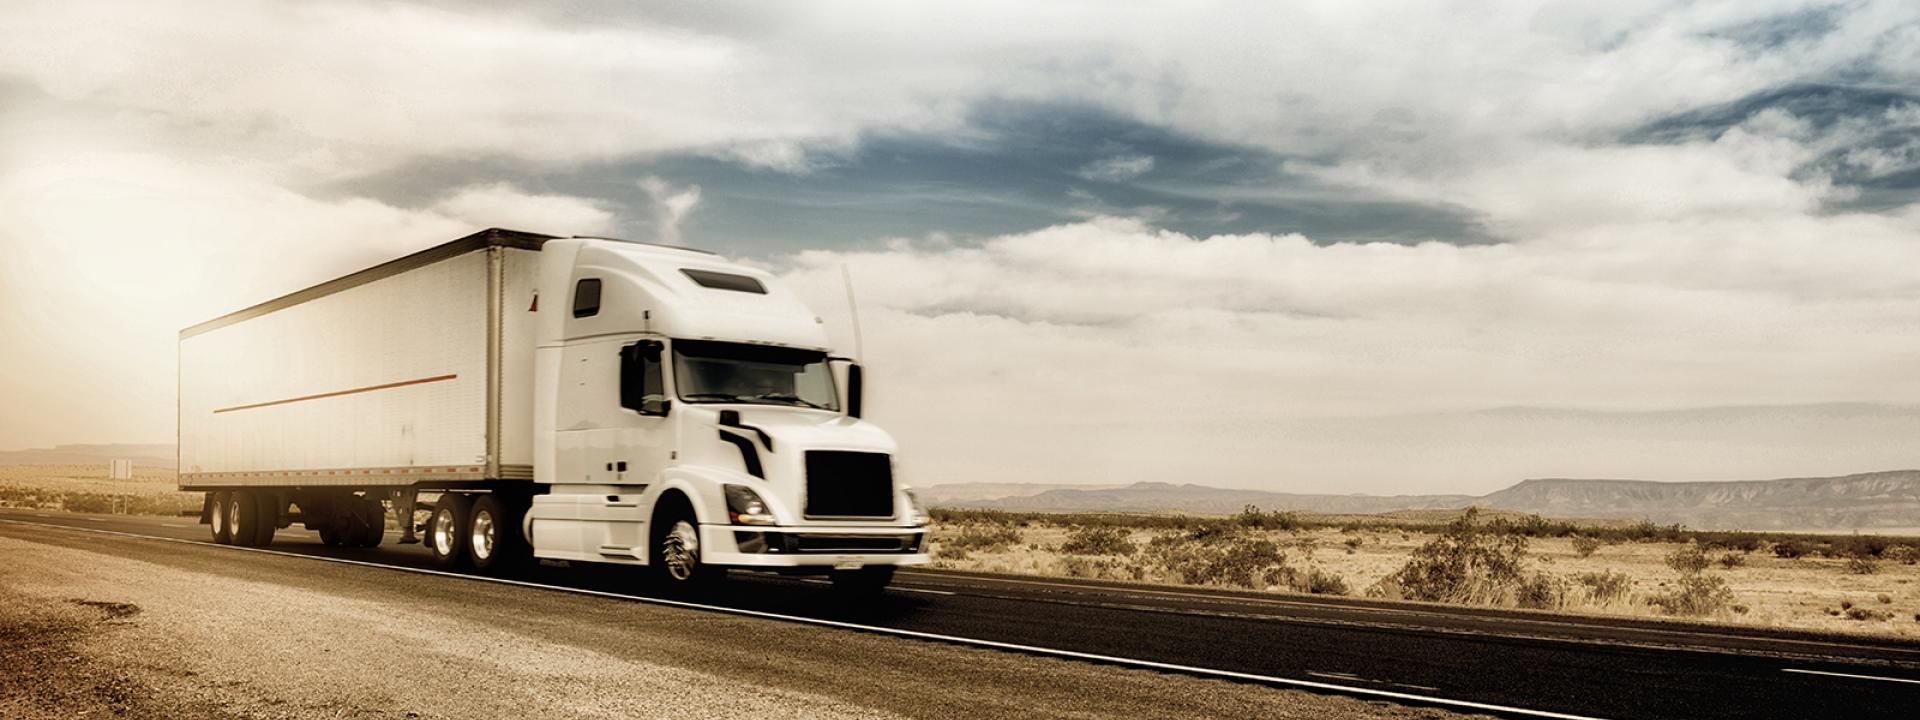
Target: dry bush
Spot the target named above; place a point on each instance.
(1320, 583)
(1862, 565)
(1251, 517)
(1541, 591)
(1352, 544)
(1606, 587)
(1732, 560)
(1903, 554)
(1688, 560)
(1696, 595)
(979, 537)
(1097, 540)
(1791, 548)
(1868, 614)
(1585, 546)
(1465, 564)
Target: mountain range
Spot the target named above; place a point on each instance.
(1865, 501)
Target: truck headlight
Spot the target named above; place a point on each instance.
(916, 513)
(744, 507)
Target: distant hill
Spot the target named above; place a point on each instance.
(1864, 501)
(157, 455)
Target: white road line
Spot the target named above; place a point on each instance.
(1850, 675)
(1350, 677)
(881, 630)
(174, 525)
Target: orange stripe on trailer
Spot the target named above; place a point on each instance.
(338, 393)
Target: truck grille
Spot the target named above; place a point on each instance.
(849, 485)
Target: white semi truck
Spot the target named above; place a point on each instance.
(576, 399)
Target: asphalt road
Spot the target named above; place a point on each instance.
(1473, 660)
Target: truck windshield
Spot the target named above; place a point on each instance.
(722, 372)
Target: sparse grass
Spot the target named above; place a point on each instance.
(1469, 563)
(86, 489)
(1624, 576)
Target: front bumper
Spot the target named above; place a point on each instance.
(813, 546)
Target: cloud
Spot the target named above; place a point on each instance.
(1111, 327)
(1118, 168)
(671, 206)
(503, 205)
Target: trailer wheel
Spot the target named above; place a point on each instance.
(675, 556)
(329, 535)
(493, 534)
(267, 513)
(370, 521)
(243, 512)
(863, 583)
(219, 518)
(448, 531)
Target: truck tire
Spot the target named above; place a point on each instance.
(863, 583)
(447, 531)
(243, 511)
(330, 535)
(674, 554)
(493, 534)
(268, 512)
(220, 518)
(370, 522)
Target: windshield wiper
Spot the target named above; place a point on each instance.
(787, 397)
(712, 396)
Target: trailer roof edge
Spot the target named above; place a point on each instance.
(490, 237)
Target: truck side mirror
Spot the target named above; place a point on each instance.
(855, 389)
(642, 386)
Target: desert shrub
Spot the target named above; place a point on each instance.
(1688, 560)
(1868, 614)
(1732, 560)
(1695, 595)
(980, 537)
(1319, 582)
(1856, 546)
(1903, 554)
(1097, 540)
(1585, 545)
(1251, 516)
(1465, 564)
(1884, 598)
(1100, 568)
(1217, 560)
(1744, 542)
(1541, 592)
(88, 503)
(1862, 565)
(1606, 587)
(1791, 548)
(1352, 544)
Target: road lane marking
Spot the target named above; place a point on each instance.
(883, 630)
(1851, 675)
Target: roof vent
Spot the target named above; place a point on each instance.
(725, 281)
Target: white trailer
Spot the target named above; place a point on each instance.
(578, 399)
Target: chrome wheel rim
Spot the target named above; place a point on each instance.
(482, 535)
(219, 518)
(233, 515)
(443, 538)
(681, 550)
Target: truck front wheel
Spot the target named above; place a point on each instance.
(675, 556)
(448, 531)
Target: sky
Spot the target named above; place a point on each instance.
(1315, 247)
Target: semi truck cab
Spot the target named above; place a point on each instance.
(697, 419)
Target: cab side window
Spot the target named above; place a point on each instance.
(586, 297)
